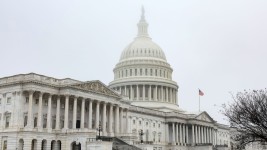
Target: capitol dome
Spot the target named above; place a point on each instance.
(142, 47)
(143, 74)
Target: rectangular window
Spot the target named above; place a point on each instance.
(27, 100)
(8, 101)
(62, 106)
(7, 121)
(130, 72)
(135, 72)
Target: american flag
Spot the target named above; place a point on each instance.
(200, 92)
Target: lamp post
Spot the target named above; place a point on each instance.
(141, 133)
(99, 129)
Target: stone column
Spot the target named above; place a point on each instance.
(110, 118)
(40, 111)
(82, 113)
(199, 135)
(173, 134)
(137, 92)
(104, 117)
(48, 123)
(167, 94)
(177, 133)
(210, 135)
(180, 136)
(184, 134)
(97, 114)
(162, 94)
(74, 113)
(196, 133)
(125, 90)
(171, 95)
(117, 119)
(90, 117)
(186, 131)
(121, 120)
(176, 97)
(58, 113)
(127, 121)
(193, 135)
(30, 118)
(149, 93)
(144, 94)
(156, 93)
(66, 115)
(202, 135)
(132, 95)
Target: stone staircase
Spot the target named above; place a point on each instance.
(119, 144)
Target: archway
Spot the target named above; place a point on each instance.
(75, 146)
(34, 144)
(21, 144)
(44, 145)
(56, 145)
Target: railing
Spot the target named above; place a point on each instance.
(36, 77)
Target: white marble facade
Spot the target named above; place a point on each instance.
(43, 113)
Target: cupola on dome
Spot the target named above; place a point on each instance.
(142, 46)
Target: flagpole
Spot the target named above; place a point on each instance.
(198, 102)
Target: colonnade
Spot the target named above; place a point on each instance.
(91, 113)
(179, 134)
(144, 92)
(184, 134)
(202, 134)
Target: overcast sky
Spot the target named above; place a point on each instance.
(217, 46)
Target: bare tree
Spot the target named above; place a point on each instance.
(248, 115)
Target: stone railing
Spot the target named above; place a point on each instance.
(36, 77)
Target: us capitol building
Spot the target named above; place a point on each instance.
(137, 110)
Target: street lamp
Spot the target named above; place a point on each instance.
(99, 129)
(141, 133)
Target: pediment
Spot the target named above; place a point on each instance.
(204, 116)
(97, 87)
